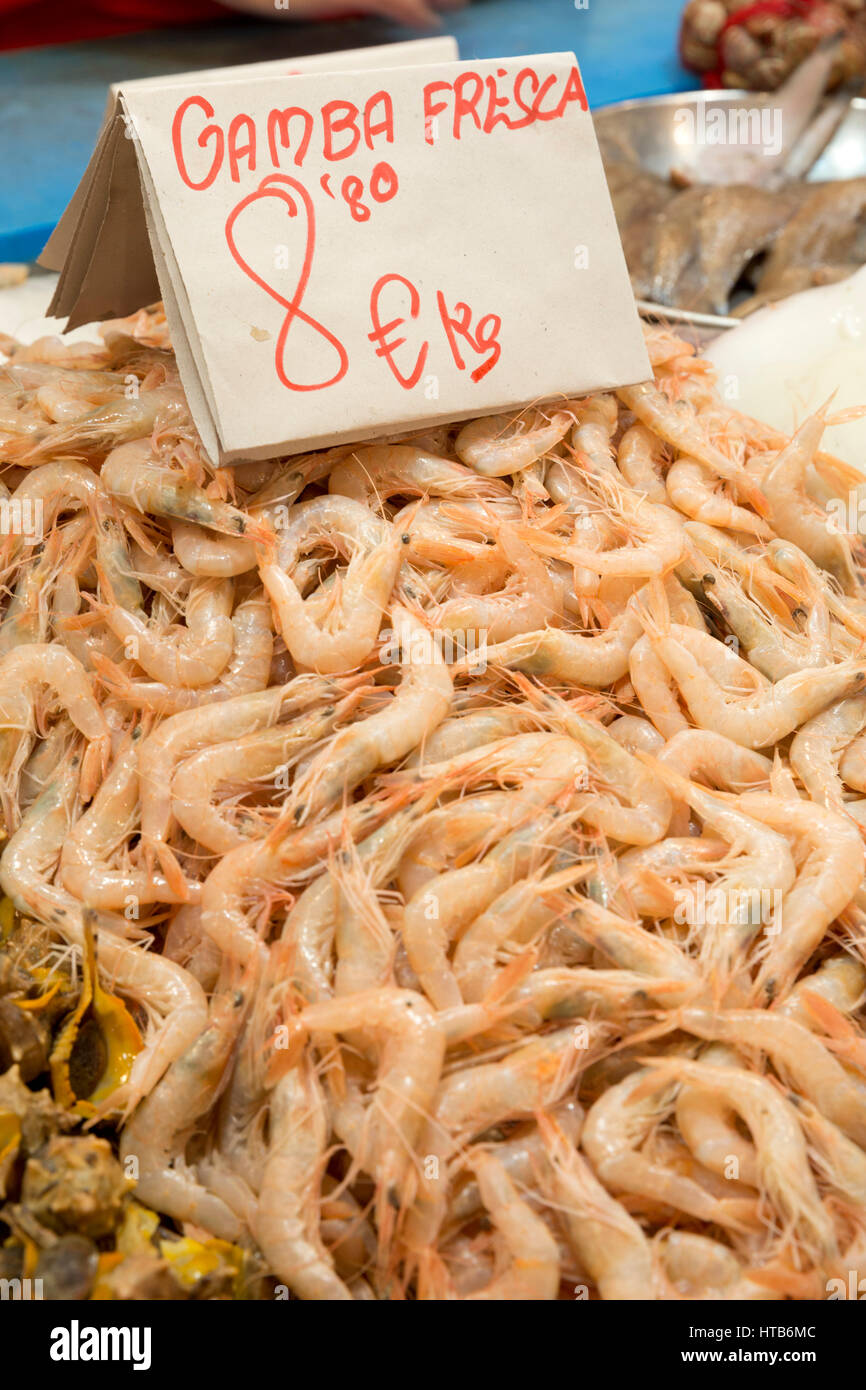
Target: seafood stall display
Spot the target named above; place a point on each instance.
(434, 868)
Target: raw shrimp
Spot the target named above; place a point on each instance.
(192, 657)
(499, 444)
(795, 516)
(185, 733)
(411, 1056)
(420, 704)
(131, 474)
(532, 1077)
(681, 428)
(256, 755)
(781, 1149)
(283, 1224)
(154, 1140)
(613, 1138)
(568, 656)
(658, 530)
(609, 1242)
(826, 883)
(365, 589)
(85, 869)
(761, 719)
(748, 895)
(108, 426)
(374, 474)
(527, 601)
(709, 1125)
(533, 1271)
(817, 748)
(699, 1268)
(797, 1054)
(724, 764)
(689, 487)
(639, 458)
(246, 672)
(22, 672)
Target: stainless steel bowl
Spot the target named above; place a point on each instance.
(647, 132)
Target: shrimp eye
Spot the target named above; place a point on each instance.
(708, 579)
(405, 538)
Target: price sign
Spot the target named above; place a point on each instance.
(349, 254)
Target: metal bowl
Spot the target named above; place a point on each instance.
(646, 132)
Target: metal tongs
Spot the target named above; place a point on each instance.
(807, 122)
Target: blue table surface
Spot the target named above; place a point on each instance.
(52, 99)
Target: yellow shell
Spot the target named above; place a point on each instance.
(10, 1133)
(104, 1021)
(7, 918)
(192, 1260)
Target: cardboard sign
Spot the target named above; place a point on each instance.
(109, 195)
(349, 254)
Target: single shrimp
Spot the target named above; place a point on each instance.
(131, 474)
(108, 426)
(22, 671)
(614, 1135)
(628, 944)
(655, 689)
(680, 426)
(283, 1223)
(839, 979)
(411, 1053)
(689, 486)
(375, 473)
(533, 1270)
(573, 658)
(365, 589)
(782, 1156)
(653, 876)
(793, 514)
(496, 445)
(604, 1237)
(640, 457)
(156, 1137)
(818, 747)
(193, 656)
(722, 763)
(422, 701)
(827, 880)
(709, 1125)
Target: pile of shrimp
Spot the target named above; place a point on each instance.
(474, 819)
